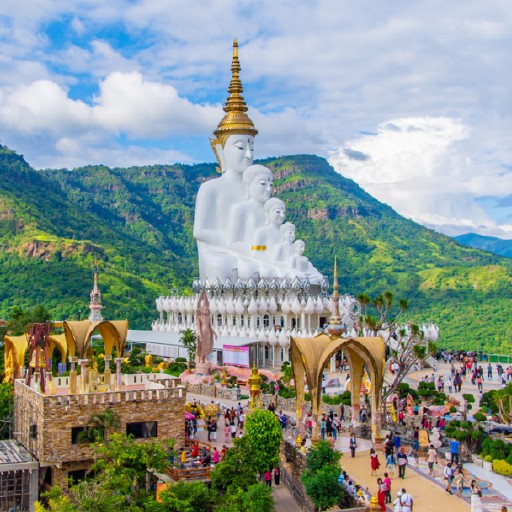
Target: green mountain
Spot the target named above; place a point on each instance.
(486, 243)
(138, 222)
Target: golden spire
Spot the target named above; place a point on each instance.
(236, 121)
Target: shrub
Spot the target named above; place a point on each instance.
(479, 416)
(468, 397)
(502, 467)
(453, 409)
(488, 458)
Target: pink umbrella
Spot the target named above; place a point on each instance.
(189, 416)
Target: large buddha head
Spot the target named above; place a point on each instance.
(234, 137)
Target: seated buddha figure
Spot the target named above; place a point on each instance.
(248, 215)
(268, 237)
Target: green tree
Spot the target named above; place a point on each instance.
(265, 436)
(257, 498)
(321, 476)
(98, 426)
(184, 497)
(189, 340)
(6, 407)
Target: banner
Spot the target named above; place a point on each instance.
(235, 356)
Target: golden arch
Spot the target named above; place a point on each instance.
(78, 336)
(310, 355)
(16, 347)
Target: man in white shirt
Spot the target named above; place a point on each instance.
(406, 501)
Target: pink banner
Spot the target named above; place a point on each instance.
(235, 356)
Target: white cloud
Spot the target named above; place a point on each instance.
(315, 75)
(421, 167)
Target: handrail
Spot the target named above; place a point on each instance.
(199, 473)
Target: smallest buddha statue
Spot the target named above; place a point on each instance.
(254, 382)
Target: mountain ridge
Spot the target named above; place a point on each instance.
(138, 221)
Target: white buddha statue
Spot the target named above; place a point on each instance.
(247, 216)
(301, 266)
(284, 250)
(233, 147)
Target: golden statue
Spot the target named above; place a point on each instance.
(9, 368)
(223, 381)
(254, 382)
(148, 360)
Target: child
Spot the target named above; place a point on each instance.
(459, 482)
(391, 464)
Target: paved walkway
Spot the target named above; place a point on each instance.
(428, 493)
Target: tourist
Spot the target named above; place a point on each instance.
(227, 432)
(353, 444)
(241, 419)
(402, 463)
(381, 494)
(233, 430)
(406, 501)
(183, 458)
(454, 450)
(267, 476)
(391, 464)
(195, 450)
(277, 475)
(216, 456)
(397, 442)
(489, 371)
(374, 461)
(213, 430)
(323, 425)
(476, 494)
(387, 483)
(416, 439)
(458, 480)
(431, 460)
(448, 476)
(223, 452)
(398, 502)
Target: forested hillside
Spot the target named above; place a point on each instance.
(486, 243)
(138, 222)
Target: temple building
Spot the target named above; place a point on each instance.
(261, 287)
(58, 417)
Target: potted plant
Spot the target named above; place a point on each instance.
(487, 463)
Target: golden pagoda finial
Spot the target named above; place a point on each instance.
(236, 121)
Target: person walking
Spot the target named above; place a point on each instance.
(476, 494)
(398, 502)
(391, 464)
(353, 444)
(268, 477)
(374, 461)
(407, 501)
(381, 494)
(387, 483)
(402, 463)
(397, 442)
(277, 475)
(431, 460)
(448, 476)
(227, 431)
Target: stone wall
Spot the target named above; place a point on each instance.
(54, 416)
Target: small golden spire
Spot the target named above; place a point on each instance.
(236, 121)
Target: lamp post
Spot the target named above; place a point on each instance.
(79, 314)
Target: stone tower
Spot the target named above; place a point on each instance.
(95, 304)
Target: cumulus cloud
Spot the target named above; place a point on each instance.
(422, 168)
(151, 74)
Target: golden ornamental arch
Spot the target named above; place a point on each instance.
(309, 357)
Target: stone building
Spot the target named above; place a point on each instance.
(48, 425)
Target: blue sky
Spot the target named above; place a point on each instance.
(412, 100)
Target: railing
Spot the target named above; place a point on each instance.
(497, 358)
(199, 473)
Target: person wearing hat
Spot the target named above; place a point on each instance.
(398, 503)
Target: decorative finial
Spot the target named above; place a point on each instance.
(95, 305)
(335, 328)
(236, 121)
